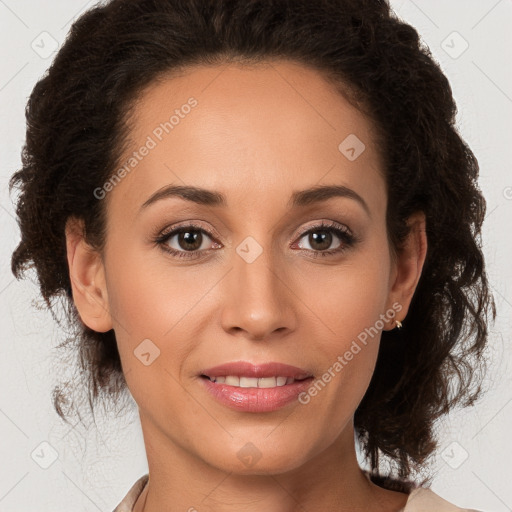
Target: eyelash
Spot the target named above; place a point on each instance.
(343, 233)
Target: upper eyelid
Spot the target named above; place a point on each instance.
(326, 224)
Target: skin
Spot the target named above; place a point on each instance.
(258, 134)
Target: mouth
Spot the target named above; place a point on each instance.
(248, 388)
(253, 382)
(243, 374)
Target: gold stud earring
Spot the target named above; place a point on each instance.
(398, 324)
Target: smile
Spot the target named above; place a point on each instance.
(252, 382)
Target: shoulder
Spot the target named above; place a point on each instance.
(424, 499)
(420, 499)
(129, 500)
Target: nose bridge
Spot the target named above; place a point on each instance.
(258, 301)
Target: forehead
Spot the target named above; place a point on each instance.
(253, 131)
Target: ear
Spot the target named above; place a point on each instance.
(408, 266)
(87, 275)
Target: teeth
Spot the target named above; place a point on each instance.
(252, 382)
(281, 381)
(232, 381)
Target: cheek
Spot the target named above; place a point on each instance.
(351, 326)
(155, 313)
(350, 297)
(144, 299)
(350, 332)
(350, 303)
(146, 314)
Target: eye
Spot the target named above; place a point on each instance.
(186, 241)
(320, 238)
(192, 241)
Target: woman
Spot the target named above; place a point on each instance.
(268, 230)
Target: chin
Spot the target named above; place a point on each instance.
(248, 459)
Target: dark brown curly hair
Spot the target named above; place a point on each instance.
(78, 123)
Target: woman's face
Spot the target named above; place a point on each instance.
(255, 279)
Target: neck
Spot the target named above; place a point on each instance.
(331, 480)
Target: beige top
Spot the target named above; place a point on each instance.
(421, 499)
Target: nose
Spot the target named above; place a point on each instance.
(258, 297)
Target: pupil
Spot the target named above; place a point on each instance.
(325, 237)
(190, 238)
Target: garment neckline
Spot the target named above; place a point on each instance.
(417, 496)
(138, 487)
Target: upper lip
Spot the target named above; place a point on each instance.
(246, 369)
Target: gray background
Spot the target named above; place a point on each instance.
(94, 467)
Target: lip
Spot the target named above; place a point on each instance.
(247, 369)
(256, 399)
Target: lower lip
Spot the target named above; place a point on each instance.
(256, 399)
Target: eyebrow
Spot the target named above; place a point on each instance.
(299, 198)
